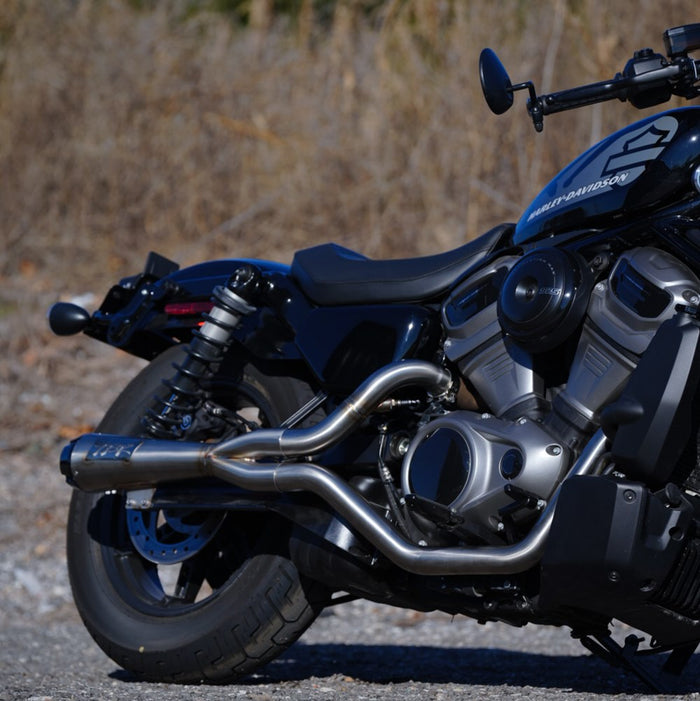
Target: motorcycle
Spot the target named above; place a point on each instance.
(508, 430)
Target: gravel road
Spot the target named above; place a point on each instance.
(358, 652)
(354, 651)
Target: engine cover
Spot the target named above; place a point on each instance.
(619, 550)
(465, 461)
(644, 289)
(544, 298)
(624, 314)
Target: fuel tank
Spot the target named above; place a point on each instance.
(648, 164)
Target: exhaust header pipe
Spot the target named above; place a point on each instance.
(97, 462)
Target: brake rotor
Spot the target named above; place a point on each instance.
(169, 536)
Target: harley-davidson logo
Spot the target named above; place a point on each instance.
(612, 164)
(642, 148)
(580, 192)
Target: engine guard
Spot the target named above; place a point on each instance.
(619, 550)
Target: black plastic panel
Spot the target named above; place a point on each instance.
(344, 345)
(463, 306)
(651, 421)
(612, 550)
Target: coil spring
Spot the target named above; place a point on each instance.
(171, 414)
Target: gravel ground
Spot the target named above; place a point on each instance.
(354, 651)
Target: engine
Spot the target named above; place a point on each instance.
(495, 467)
(492, 474)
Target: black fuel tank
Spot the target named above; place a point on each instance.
(648, 164)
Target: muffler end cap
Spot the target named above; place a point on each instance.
(65, 463)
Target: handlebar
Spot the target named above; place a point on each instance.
(618, 87)
(642, 90)
(648, 79)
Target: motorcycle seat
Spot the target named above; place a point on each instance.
(330, 274)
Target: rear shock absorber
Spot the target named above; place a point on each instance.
(171, 414)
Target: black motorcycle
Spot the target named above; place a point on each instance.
(509, 430)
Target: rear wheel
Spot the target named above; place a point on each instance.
(188, 595)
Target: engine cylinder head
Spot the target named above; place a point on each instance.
(624, 313)
(501, 372)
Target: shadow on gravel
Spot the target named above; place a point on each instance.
(396, 664)
(384, 664)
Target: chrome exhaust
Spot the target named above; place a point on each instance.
(97, 462)
(508, 559)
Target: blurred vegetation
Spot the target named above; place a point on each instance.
(208, 128)
(247, 12)
(214, 128)
(127, 125)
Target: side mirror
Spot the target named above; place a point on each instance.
(495, 83)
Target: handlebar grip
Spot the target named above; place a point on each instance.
(621, 87)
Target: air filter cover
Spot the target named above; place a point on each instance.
(544, 298)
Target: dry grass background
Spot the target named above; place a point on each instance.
(124, 130)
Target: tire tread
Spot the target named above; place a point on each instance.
(267, 605)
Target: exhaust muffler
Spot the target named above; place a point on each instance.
(96, 462)
(100, 462)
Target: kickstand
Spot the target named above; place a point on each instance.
(606, 648)
(678, 659)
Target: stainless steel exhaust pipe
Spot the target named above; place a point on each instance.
(99, 462)
(340, 496)
(190, 460)
(295, 442)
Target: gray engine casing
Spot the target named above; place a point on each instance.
(501, 372)
(624, 312)
(465, 460)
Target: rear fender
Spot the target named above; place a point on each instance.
(147, 313)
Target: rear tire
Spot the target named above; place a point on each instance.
(238, 602)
